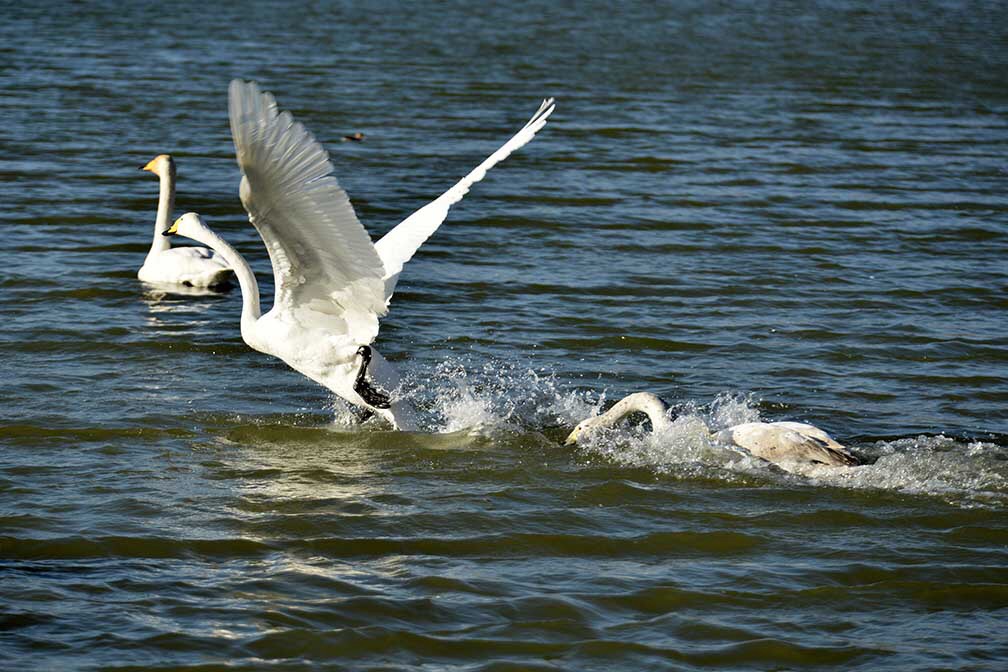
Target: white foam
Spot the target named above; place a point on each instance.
(964, 473)
(500, 396)
(961, 472)
(685, 446)
(482, 399)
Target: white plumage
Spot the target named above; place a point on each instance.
(332, 284)
(783, 443)
(189, 266)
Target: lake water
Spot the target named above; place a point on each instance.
(755, 210)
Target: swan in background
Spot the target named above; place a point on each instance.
(783, 443)
(331, 282)
(189, 266)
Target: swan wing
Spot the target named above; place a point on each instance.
(790, 442)
(801, 447)
(828, 449)
(325, 267)
(400, 244)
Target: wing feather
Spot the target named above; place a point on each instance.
(400, 244)
(325, 267)
(784, 441)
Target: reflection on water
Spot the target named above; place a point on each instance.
(155, 293)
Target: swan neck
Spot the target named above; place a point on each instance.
(166, 203)
(251, 309)
(641, 402)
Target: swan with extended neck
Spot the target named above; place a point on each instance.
(332, 284)
(164, 264)
(783, 443)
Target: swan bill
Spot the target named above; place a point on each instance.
(159, 160)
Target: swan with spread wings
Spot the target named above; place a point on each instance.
(332, 284)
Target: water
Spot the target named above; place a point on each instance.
(755, 210)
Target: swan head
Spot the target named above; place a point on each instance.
(639, 402)
(190, 225)
(162, 164)
(585, 425)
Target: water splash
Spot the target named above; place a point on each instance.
(967, 473)
(971, 473)
(684, 447)
(483, 399)
(497, 396)
(507, 397)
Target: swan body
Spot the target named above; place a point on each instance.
(788, 442)
(332, 284)
(783, 443)
(189, 266)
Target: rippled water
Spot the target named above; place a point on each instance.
(756, 210)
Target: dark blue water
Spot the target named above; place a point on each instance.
(756, 210)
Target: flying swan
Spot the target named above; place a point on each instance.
(331, 282)
(783, 443)
(189, 266)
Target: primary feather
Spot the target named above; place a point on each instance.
(324, 264)
(400, 244)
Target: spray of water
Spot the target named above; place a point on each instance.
(505, 397)
(484, 398)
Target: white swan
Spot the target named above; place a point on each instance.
(331, 283)
(783, 443)
(189, 266)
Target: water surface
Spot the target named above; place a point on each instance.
(755, 210)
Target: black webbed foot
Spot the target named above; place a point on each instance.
(362, 413)
(367, 392)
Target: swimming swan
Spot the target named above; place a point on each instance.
(331, 283)
(189, 266)
(778, 442)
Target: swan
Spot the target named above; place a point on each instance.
(783, 443)
(189, 266)
(332, 284)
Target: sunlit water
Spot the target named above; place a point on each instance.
(755, 210)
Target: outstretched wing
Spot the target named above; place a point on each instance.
(326, 269)
(400, 244)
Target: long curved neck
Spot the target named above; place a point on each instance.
(251, 310)
(166, 203)
(642, 402)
